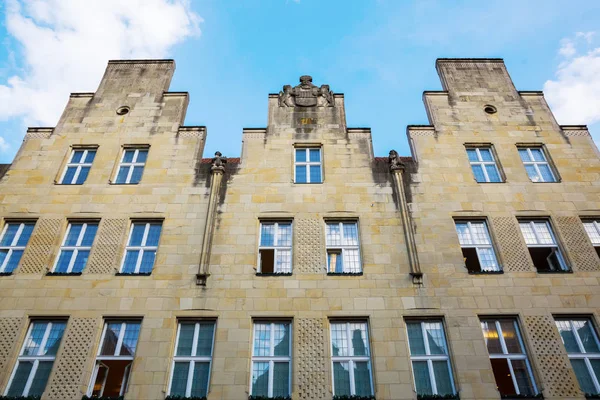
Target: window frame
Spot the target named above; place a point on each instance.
(141, 248)
(275, 247)
(37, 358)
(272, 359)
(13, 246)
(476, 246)
(78, 166)
(482, 163)
(131, 165)
(193, 359)
(351, 359)
(75, 248)
(535, 164)
(307, 164)
(583, 354)
(595, 223)
(556, 244)
(341, 247)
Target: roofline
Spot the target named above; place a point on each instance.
(143, 61)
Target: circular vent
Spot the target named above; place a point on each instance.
(490, 109)
(122, 110)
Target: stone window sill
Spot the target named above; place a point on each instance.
(63, 273)
(6, 273)
(274, 274)
(344, 274)
(133, 274)
(486, 272)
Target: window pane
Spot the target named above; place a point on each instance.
(205, 339)
(362, 379)
(568, 337)
(532, 173)
(54, 338)
(73, 235)
(3, 255)
(260, 379)
(341, 378)
(464, 235)
(142, 156)
(179, 382)
(41, 378)
(63, 261)
(472, 154)
(69, 175)
(110, 339)
(360, 345)
(543, 233)
(153, 235)
(422, 380)
(486, 155)
(524, 155)
(339, 340)
(596, 369)
(487, 259)
(20, 379)
(13, 262)
(77, 155)
(350, 234)
(300, 155)
(583, 376)
(493, 174)
(334, 261)
(136, 176)
(442, 377)
(267, 234)
(504, 381)
(527, 232)
(281, 379)
(592, 232)
(522, 377)
(586, 335)
(478, 173)
(315, 155)
(284, 235)
(90, 156)
(301, 173)
(490, 334)
(537, 154)
(351, 261)
(132, 330)
(510, 337)
(89, 235)
(435, 338)
(315, 173)
(186, 338)
(283, 262)
(137, 234)
(546, 173)
(200, 379)
(83, 174)
(131, 258)
(9, 235)
(147, 261)
(122, 175)
(333, 234)
(25, 234)
(282, 340)
(415, 339)
(128, 156)
(262, 340)
(480, 233)
(32, 346)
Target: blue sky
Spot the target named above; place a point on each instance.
(231, 54)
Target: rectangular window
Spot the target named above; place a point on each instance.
(592, 227)
(271, 359)
(131, 166)
(483, 164)
(12, 244)
(542, 245)
(141, 248)
(536, 164)
(114, 358)
(36, 358)
(510, 362)
(78, 167)
(431, 367)
(581, 342)
(193, 359)
(343, 255)
(308, 165)
(477, 248)
(351, 359)
(76, 247)
(275, 249)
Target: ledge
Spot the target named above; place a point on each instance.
(570, 271)
(133, 274)
(344, 274)
(6, 273)
(485, 272)
(274, 274)
(63, 273)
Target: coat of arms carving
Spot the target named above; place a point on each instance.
(306, 95)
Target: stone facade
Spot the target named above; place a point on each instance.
(211, 210)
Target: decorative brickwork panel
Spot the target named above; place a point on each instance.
(37, 253)
(312, 370)
(513, 250)
(552, 361)
(68, 372)
(9, 333)
(578, 245)
(310, 247)
(104, 258)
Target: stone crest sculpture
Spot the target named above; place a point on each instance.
(218, 162)
(306, 95)
(395, 161)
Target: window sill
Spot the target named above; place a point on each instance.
(101, 398)
(5, 274)
(63, 273)
(185, 398)
(308, 183)
(344, 274)
(123, 184)
(592, 396)
(491, 182)
(355, 397)
(521, 396)
(20, 397)
(437, 396)
(568, 271)
(133, 274)
(274, 274)
(263, 398)
(485, 272)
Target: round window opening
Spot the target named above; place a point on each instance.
(490, 109)
(122, 110)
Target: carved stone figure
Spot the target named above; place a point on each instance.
(285, 97)
(218, 162)
(395, 161)
(326, 96)
(306, 95)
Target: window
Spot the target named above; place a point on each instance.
(193, 359)
(131, 167)
(351, 359)
(582, 345)
(114, 358)
(76, 247)
(429, 357)
(271, 359)
(14, 239)
(275, 250)
(593, 230)
(343, 255)
(483, 164)
(543, 247)
(36, 358)
(536, 164)
(476, 245)
(308, 165)
(510, 363)
(78, 167)
(141, 248)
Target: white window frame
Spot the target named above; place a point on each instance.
(537, 163)
(554, 244)
(193, 359)
(594, 224)
(343, 247)
(351, 359)
(512, 356)
(478, 246)
(483, 164)
(78, 247)
(36, 359)
(584, 355)
(307, 164)
(142, 247)
(131, 165)
(272, 359)
(78, 166)
(115, 356)
(13, 245)
(276, 247)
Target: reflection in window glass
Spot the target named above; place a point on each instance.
(271, 358)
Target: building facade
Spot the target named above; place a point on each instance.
(307, 268)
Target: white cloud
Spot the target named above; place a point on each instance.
(575, 93)
(4, 147)
(64, 46)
